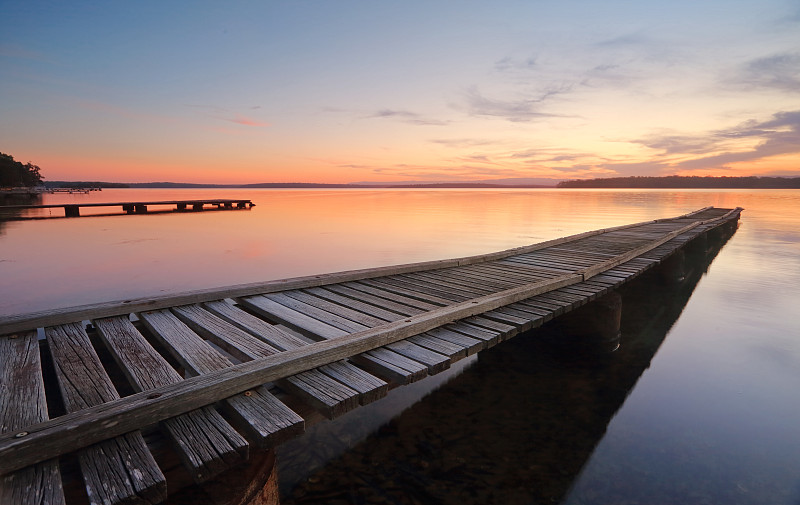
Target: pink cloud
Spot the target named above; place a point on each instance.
(246, 121)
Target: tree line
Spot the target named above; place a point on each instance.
(15, 174)
(686, 182)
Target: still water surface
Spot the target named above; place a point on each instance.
(714, 417)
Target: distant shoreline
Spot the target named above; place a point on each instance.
(279, 185)
(637, 182)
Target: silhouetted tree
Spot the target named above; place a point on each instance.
(13, 173)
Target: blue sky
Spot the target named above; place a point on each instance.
(384, 91)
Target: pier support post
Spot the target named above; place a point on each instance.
(596, 326)
(72, 211)
(197, 206)
(673, 269)
(252, 483)
(181, 207)
(698, 247)
(140, 209)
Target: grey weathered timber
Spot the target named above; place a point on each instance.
(117, 470)
(329, 396)
(319, 324)
(430, 321)
(206, 443)
(369, 387)
(263, 418)
(22, 403)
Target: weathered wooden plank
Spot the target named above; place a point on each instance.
(531, 320)
(353, 320)
(453, 351)
(434, 361)
(427, 290)
(514, 260)
(487, 336)
(205, 442)
(362, 303)
(505, 330)
(255, 326)
(315, 328)
(470, 277)
(392, 365)
(396, 294)
(22, 403)
(509, 273)
(369, 387)
(388, 301)
(261, 416)
(455, 289)
(118, 470)
(472, 345)
(408, 290)
(298, 321)
(325, 394)
(508, 318)
(362, 319)
(545, 315)
(329, 396)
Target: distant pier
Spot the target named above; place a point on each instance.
(73, 209)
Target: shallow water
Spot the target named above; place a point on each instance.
(714, 418)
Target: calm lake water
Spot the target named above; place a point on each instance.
(711, 414)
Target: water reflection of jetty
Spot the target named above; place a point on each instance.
(264, 361)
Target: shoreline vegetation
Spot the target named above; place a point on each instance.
(15, 174)
(686, 182)
(668, 182)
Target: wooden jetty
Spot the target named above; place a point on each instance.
(73, 209)
(103, 390)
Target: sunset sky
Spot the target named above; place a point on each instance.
(346, 91)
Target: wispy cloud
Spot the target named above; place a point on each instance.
(225, 114)
(460, 143)
(748, 141)
(439, 173)
(406, 117)
(780, 135)
(512, 64)
(778, 71)
(627, 40)
(519, 110)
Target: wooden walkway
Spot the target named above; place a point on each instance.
(216, 371)
(140, 207)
